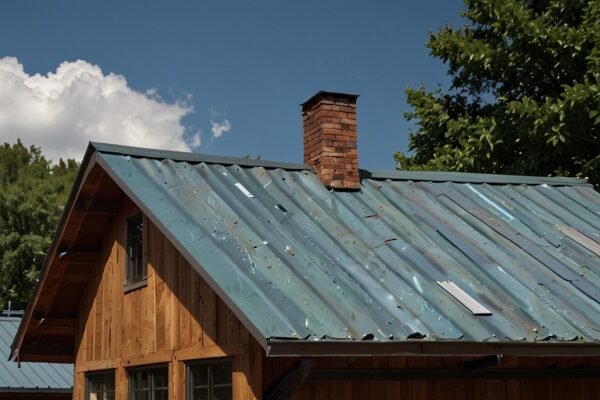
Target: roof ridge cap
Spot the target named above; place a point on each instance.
(144, 152)
(470, 177)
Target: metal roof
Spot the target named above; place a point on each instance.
(30, 376)
(297, 261)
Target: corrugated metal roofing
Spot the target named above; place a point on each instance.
(31, 376)
(296, 260)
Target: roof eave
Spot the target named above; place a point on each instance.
(332, 348)
(86, 165)
(35, 391)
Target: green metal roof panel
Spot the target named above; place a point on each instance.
(30, 376)
(295, 260)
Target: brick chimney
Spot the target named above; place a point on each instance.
(329, 121)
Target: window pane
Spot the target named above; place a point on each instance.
(200, 375)
(95, 384)
(221, 374)
(160, 378)
(149, 384)
(136, 270)
(141, 395)
(140, 385)
(210, 381)
(109, 387)
(140, 380)
(222, 393)
(101, 386)
(200, 394)
(161, 394)
(109, 382)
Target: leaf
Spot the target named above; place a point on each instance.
(524, 81)
(32, 193)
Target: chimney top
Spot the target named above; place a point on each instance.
(323, 94)
(329, 121)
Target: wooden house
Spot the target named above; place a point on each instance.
(184, 276)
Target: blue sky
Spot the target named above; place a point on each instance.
(248, 62)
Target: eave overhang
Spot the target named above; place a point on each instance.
(88, 162)
(333, 348)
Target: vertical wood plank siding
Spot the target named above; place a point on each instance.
(438, 389)
(175, 318)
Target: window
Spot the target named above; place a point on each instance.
(209, 381)
(149, 384)
(101, 386)
(136, 268)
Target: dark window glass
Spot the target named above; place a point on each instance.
(136, 268)
(209, 381)
(149, 384)
(101, 386)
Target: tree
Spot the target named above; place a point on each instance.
(525, 92)
(32, 194)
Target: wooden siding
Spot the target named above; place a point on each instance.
(176, 317)
(437, 389)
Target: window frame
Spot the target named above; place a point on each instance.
(150, 369)
(142, 280)
(94, 374)
(189, 384)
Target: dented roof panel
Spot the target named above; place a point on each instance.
(295, 260)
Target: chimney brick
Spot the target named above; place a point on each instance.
(329, 121)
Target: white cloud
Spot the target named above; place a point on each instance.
(195, 141)
(63, 110)
(219, 128)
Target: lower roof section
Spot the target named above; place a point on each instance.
(29, 377)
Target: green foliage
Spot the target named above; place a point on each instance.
(32, 194)
(525, 93)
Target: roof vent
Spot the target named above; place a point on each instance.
(464, 299)
(580, 238)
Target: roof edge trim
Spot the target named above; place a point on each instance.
(88, 161)
(192, 157)
(35, 390)
(467, 177)
(287, 348)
